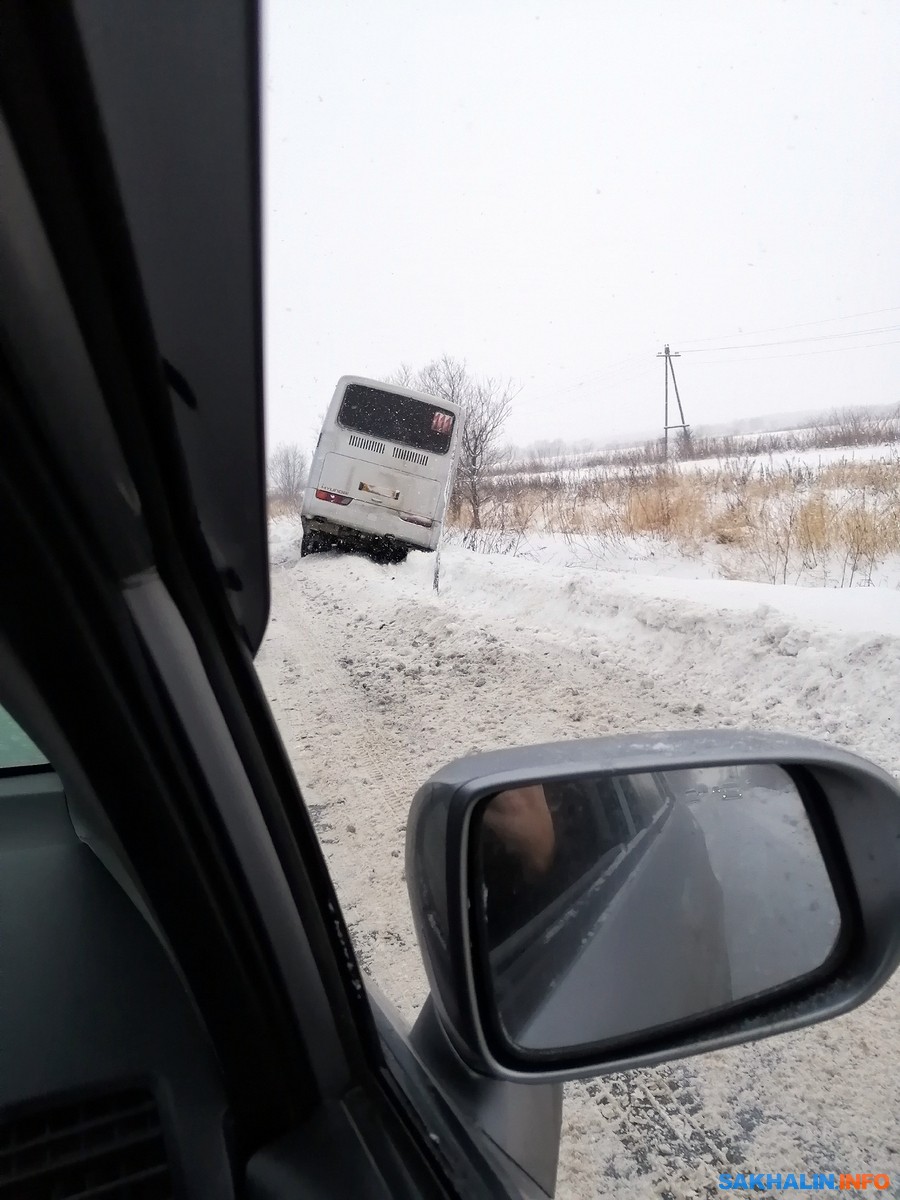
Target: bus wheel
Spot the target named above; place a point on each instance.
(385, 553)
(310, 543)
(391, 554)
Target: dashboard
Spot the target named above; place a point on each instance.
(108, 1083)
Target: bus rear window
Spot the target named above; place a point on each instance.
(396, 418)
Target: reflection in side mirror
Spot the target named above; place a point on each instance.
(616, 905)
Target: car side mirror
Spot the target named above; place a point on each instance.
(592, 906)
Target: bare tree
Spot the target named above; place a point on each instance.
(487, 403)
(404, 376)
(488, 408)
(288, 472)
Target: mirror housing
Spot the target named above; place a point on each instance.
(854, 808)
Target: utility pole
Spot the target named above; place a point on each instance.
(668, 367)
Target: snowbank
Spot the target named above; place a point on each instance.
(376, 682)
(825, 661)
(817, 660)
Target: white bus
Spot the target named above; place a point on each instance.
(382, 470)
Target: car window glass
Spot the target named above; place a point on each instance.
(651, 252)
(16, 748)
(644, 798)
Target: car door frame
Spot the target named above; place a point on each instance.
(143, 606)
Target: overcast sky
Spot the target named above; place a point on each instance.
(552, 191)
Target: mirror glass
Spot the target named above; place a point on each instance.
(611, 906)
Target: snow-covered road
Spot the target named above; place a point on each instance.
(376, 682)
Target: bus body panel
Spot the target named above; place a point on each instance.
(383, 477)
(379, 484)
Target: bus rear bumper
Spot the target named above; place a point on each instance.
(365, 531)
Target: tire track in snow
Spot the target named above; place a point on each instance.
(376, 685)
(358, 779)
(370, 705)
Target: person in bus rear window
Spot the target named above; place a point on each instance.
(396, 418)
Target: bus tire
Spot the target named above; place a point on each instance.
(387, 553)
(310, 543)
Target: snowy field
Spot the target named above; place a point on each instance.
(825, 517)
(800, 450)
(585, 466)
(376, 682)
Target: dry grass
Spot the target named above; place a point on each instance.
(669, 507)
(282, 508)
(779, 522)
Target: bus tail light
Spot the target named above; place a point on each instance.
(332, 497)
(425, 522)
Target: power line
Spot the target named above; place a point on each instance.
(714, 362)
(821, 337)
(601, 373)
(874, 312)
(610, 387)
(611, 379)
(604, 375)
